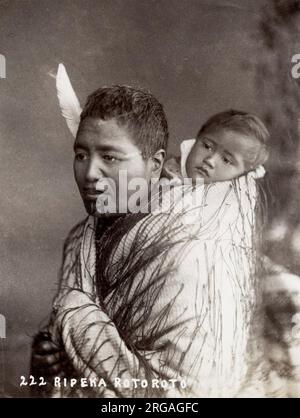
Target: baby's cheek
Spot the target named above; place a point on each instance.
(189, 168)
(231, 173)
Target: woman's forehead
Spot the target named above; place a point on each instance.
(98, 132)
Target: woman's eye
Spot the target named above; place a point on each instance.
(227, 161)
(109, 158)
(80, 156)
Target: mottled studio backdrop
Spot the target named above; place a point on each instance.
(197, 56)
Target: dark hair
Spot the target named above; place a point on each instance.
(243, 123)
(137, 110)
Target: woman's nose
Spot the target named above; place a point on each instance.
(94, 171)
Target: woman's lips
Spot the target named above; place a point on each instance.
(92, 194)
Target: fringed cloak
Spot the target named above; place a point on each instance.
(175, 297)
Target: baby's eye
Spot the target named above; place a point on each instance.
(81, 156)
(227, 161)
(207, 146)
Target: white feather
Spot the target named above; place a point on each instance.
(68, 101)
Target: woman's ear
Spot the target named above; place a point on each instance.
(157, 162)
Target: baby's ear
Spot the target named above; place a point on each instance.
(263, 155)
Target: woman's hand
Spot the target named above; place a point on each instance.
(47, 358)
(48, 361)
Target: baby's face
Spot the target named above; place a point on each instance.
(220, 155)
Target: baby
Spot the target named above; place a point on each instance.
(228, 145)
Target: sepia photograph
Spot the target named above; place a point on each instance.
(150, 201)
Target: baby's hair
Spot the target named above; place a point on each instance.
(244, 123)
(135, 109)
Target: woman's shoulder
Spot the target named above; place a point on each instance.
(76, 233)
